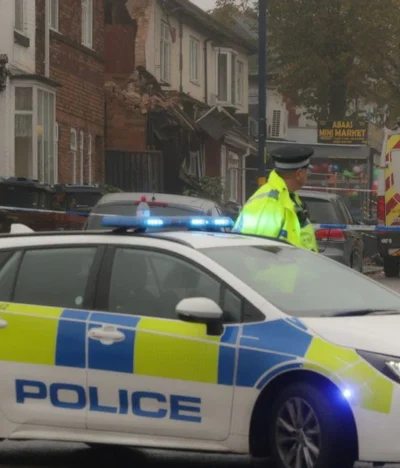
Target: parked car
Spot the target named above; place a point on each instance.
(161, 204)
(346, 247)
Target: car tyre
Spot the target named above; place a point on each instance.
(304, 423)
(391, 267)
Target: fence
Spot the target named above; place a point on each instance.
(135, 171)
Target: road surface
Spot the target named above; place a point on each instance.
(57, 455)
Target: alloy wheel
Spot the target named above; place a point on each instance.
(298, 434)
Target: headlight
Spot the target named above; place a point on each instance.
(386, 365)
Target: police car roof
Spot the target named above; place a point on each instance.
(192, 239)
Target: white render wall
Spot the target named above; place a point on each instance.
(19, 57)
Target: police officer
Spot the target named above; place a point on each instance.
(276, 210)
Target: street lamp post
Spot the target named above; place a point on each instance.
(262, 88)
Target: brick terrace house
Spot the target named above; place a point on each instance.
(70, 113)
(177, 91)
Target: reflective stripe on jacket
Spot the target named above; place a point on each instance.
(271, 212)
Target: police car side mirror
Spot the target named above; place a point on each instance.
(202, 310)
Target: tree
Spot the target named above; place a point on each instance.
(331, 52)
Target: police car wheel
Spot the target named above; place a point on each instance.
(304, 430)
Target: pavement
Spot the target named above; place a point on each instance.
(59, 455)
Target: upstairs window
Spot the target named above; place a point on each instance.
(87, 23)
(226, 77)
(165, 53)
(240, 82)
(53, 14)
(194, 60)
(19, 18)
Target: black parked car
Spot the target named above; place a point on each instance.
(346, 247)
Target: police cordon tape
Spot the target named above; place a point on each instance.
(343, 227)
(357, 227)
(339, 189)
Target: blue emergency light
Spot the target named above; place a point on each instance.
(188, 222)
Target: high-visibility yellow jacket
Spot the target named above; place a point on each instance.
(271, 212)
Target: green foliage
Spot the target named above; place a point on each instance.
(105, 189)
(331, 52)
(206, 187)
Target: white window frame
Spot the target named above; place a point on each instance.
(90, 153)
(56, 147)
(54, 9)
(193, 163)
(34, 113)
(74, 148)
(240, 82)
(165, 53)
(233, 176)
(87, 23)
(231, 86)
(81, 155)
(22, 20)
(194, 60)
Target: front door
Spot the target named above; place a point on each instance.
(43, 335)
(150, 373)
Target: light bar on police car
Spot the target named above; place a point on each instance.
(130, 222)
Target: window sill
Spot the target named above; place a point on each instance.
(21, 39)
(54, 30)
(195, 82)
(227, 104)
(88, 46)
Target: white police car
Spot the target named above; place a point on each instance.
(197, 341)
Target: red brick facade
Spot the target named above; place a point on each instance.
(126, 126)
(79, 71)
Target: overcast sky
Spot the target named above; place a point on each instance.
(205, 4)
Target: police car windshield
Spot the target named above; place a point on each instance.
(303, 284)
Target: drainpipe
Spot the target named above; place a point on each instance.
(206, 70)
(180, 54)
(47, 38)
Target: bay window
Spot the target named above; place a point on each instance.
(240, 82)
(226, 76)
(34, 134)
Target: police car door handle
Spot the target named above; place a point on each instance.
(107, 335)
(3, 323)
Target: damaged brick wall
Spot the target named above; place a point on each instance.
(141, 11)
(126, 125)
(79, 70)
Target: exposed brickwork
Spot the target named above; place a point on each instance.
(141, 10)
(126, 128)
(213, 158)
(80, 74)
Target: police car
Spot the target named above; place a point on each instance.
(200, 341)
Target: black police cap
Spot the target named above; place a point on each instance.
(292, 157)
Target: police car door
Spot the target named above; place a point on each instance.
(150, 373)
(43, 333)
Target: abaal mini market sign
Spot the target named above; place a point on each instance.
(342, 132)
